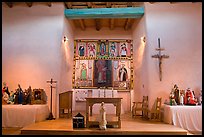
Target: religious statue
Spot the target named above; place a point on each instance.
(123, 51)
(123, 73)
(11, 98)
(181, 99)
(101, 66)
(29, 96)
(102, 49)
(5, 89)
(172, 98)
(200, 97)
(83, 71)
(19, 95)
(102, 121)
(189, 97)
(81, 50)
(5, 98)
(176, 93)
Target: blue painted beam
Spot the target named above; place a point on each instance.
(129, 12)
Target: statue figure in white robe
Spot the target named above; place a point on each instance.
(102, 120)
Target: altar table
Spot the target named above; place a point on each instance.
(93, 100)
(186, 117)
(23, 115)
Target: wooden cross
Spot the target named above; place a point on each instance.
(51, 115)
(160, 57)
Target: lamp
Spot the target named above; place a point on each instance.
(65, 39)
(143, 39)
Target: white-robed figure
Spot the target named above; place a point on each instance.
(122, 73)
(102, 120)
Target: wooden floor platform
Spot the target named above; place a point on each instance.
(129, 126)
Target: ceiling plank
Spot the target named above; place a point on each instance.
(127, 24)
(111, 24)
(98, 24)
(9, 4)
(29, 4)
(82, 25)
(129, 12)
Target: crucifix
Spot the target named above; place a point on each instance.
(51, 115)
(160, 57)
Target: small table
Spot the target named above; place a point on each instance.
(90, 101)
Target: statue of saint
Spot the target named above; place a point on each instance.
(102, 121)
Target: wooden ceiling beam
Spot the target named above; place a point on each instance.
(49, 4)
(89, 4)
(65, 4)
(82, 25)
(129, 4)
(79, 7)
(127, 24)
(69, 5)
(9, 4)
(29, 4)
(108, 4)
(111, 24)
(98, 24)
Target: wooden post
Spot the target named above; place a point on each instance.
(51, 115)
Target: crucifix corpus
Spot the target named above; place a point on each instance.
(51, 115)
(160, 57)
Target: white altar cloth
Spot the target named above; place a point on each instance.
(23, 115)
(186, 117)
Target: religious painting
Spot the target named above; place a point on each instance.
(83, 76)
(92, 49)
(113, 49)
(124, 49)
(102, 49)
(103, 63)
(121, 73)
(81, 49)
(102, 73)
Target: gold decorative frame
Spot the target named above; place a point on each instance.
(115, 84)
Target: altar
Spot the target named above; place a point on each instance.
(92, 100)
(186, 117)
(23, 115)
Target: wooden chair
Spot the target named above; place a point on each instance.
(155, 113)
(141, 107)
